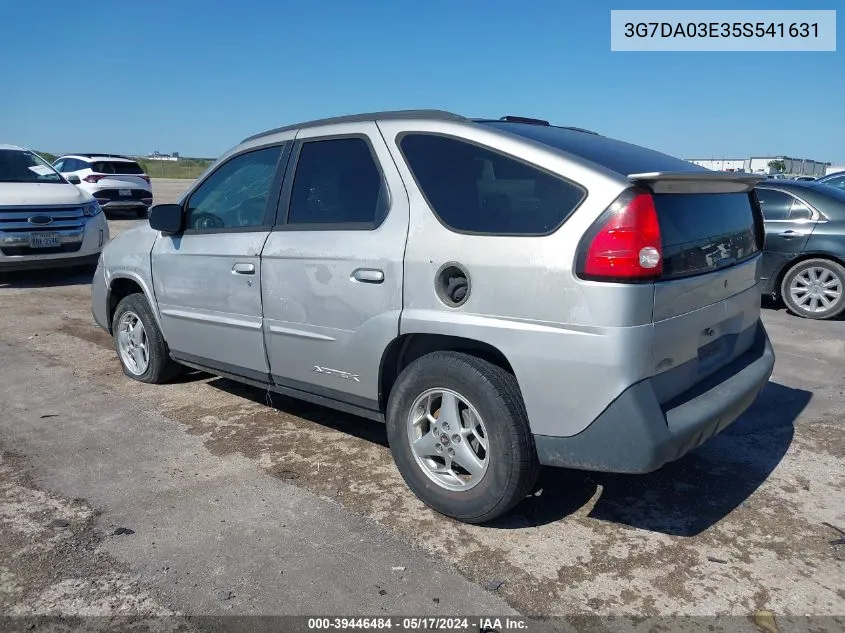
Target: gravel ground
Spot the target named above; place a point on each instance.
(748, 522)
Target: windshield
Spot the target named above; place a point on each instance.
(23, 166)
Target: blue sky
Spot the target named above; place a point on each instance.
(197, 77)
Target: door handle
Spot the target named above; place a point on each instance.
(790, 233)
(368, 275)
(243, 268)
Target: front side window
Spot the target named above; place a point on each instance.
(337, 182)
(23, 166)
(473, 189)
(235, 194)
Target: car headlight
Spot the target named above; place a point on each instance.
(91, 208)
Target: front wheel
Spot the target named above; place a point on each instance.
(139, 343)
(813, 289)
(459, 434)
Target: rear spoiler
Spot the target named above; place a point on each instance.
(697, 181)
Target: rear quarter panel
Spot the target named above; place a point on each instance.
(583, 342)
(828, 239)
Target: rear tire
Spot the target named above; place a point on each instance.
(815, 289)
(486, 408)
(140, 346)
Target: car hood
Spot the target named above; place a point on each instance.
(28, 193)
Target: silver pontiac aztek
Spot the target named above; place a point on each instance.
(501, 293)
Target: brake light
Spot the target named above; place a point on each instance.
(624, 244)
(94, 177)
(145, 177)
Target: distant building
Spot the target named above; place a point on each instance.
(159, 156)
(760, 165)
(720, 164)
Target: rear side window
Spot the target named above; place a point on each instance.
(705, 232)
(473, 189)
(337, 184)
(116, 167)
(70, 164)
(775, 204)
(800, 211)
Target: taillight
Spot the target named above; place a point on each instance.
(145, 177)
(624, 244)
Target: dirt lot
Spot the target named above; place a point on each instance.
(747, 522)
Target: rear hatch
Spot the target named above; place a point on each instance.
(706, 300)
(691, 236)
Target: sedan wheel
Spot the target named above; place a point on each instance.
(814, 289)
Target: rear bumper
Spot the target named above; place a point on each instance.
(635, 434)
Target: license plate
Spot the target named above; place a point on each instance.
(44, 240)
(125, 192)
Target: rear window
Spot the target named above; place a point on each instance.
(619, 156)
(116, 167)
(705, 232)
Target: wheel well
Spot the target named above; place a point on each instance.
(801, 258)
(405, 349)
(119, 289)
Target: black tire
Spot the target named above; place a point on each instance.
(837, 271)
(160, 368)
(512, 466)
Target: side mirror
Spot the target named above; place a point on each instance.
(73, 179)
(166, 218)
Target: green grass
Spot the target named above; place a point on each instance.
(47, 156)
(182, 168)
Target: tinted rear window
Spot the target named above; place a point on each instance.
(619, 156)
(116, 167)
(704, 232)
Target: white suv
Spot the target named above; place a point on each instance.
(45, 222)
(115, 181)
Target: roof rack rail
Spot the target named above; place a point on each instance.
(578, 129)
(524, 119)
(440, 115)
(530, 121)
